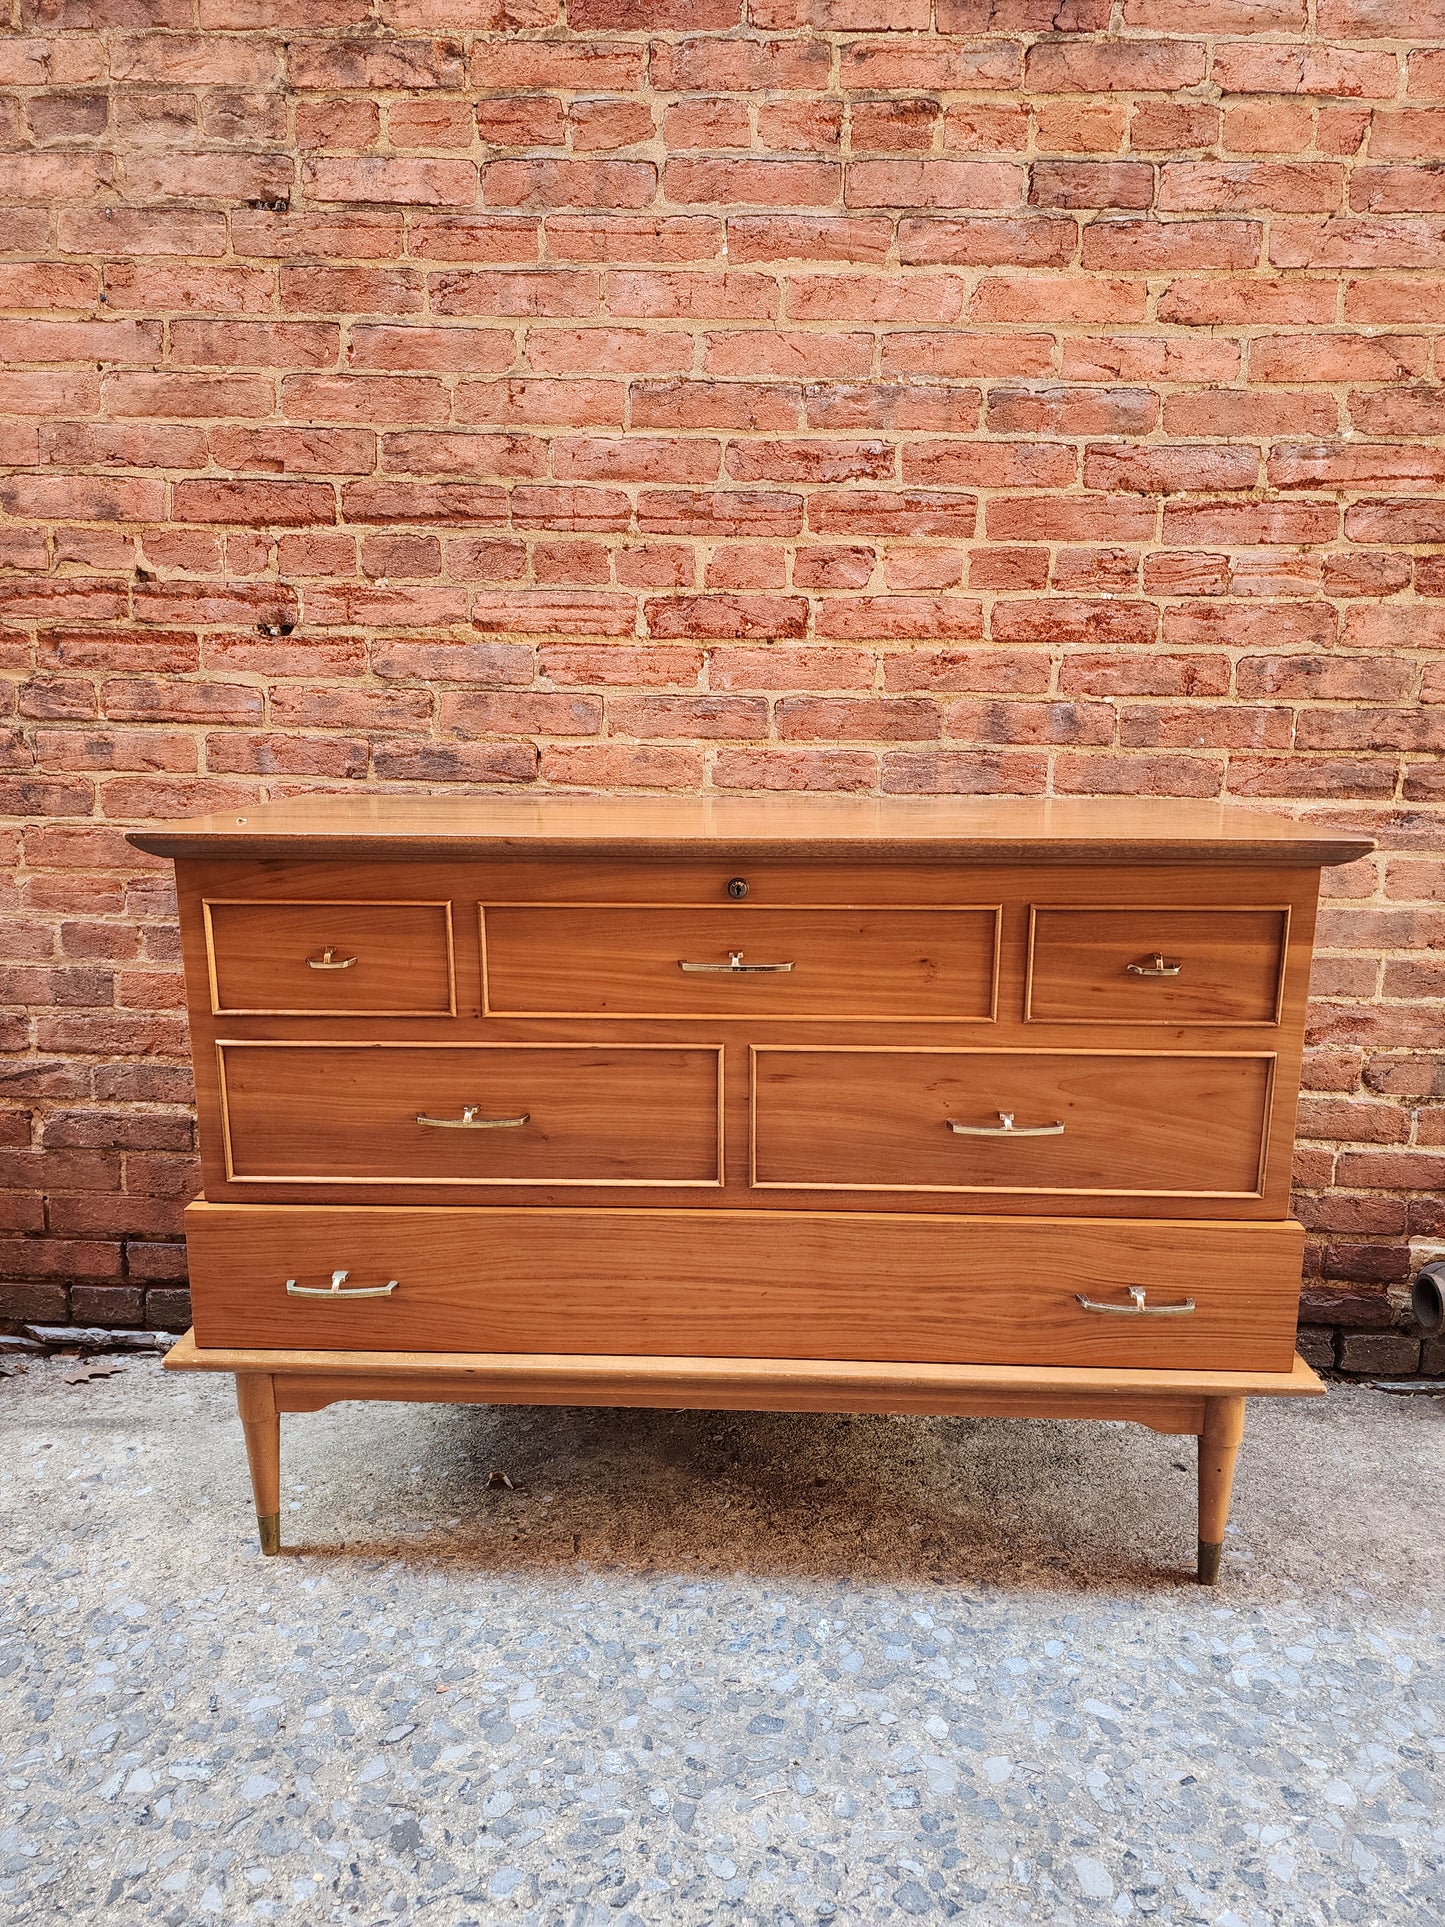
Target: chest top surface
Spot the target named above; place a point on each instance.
(1009, 830)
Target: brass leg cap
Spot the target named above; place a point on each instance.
(268, 1524)
(1209, 1557)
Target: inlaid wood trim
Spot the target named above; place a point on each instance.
(1165, 1023)
(755, 1051)
(714, 1183)
(444, 904)
(733, 1016)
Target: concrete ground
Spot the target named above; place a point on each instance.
(700, 1667)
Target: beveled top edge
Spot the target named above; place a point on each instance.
(997, 829)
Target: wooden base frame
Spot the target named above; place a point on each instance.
(1208, 1404)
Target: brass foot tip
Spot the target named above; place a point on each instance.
(1209, 1558)
(268, 1524)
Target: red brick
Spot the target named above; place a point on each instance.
(447, 452)
(1244, 300)
(387, 180)
(738, 616)
(971, 356)
(941, 184)
(635, 458)
(521, 120)
(609, 766)
(1399, 522)
(590, 351)
(1299, 187)
(963, 773)
(1336, 72)
(705, 404)
(739, 65)
(558, 183)
(268, 504)
(1127, 66)
(795, 237)
(795, 769)
(911, 512)
(1073, 620)
(705, 718)
(784, 668)
(544, 403)
(891, 618)
(82, 498)
(567, 506)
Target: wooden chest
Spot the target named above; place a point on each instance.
(717, 1089)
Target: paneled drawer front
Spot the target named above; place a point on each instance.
(1156, 966)
(472, 1114)
(628, 961)
(751, 1285)
(330, 959)
(1062, 1122)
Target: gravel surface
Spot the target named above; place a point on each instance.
(698, 1667)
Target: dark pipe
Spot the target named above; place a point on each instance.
(1427, 1296)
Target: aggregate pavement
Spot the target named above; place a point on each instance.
(762, 1670)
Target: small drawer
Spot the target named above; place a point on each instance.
(1060, 1123)
(471, 1114)
(1161, 966)
(746, 1284)
(629, 960)
(270, 959)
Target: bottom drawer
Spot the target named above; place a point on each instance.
(715, 1284)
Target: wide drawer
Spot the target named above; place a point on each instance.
(471, 1113)
(631, 960)
(1065, 1122)
(1155, 966)
(271, 959)
(750, 1285)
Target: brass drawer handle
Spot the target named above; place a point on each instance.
(1006, 1128)
(338, 1279)
(1158, 966)
(1138, 1309)
(735, 966)
(328, 960)
(469, 1121)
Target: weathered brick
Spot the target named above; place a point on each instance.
(1065, 430)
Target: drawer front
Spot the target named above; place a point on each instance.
(472, 1114)
(1156, 966)
(1063, 1122)
(330, 959)
(752, 1285)
(628, 961)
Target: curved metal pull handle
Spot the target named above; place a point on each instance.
(338, 1279)
(736, 967)
(1005, 1128)
(469, 1121)
(1158, 966)
(1138, 1309)
(328, 960)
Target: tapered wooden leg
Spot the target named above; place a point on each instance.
(1218, 1451)
(256, 1398)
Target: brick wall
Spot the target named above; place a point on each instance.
(1008, 396)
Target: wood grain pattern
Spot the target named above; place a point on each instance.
(1231, 966)
(1136, 1124)
(783, 1285)
(623, 961)
(258, 956)
(515, 1372)
(773, 885)
(979, 829)
(596, 1115)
